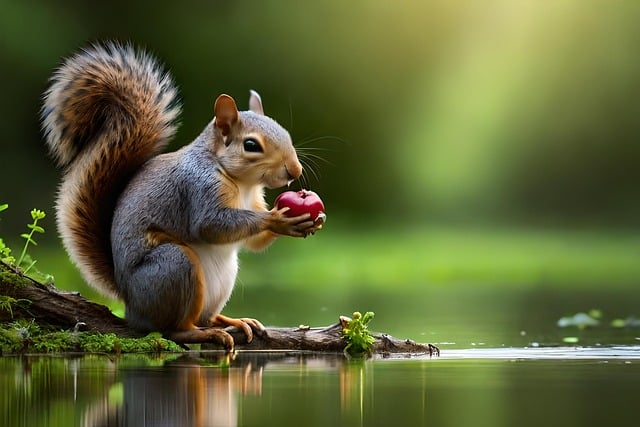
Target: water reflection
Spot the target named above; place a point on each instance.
(498, 387)
(186, 391)
(197, 389)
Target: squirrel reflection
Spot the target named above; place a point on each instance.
(208, 391)
(186, 392)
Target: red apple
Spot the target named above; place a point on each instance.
(300, 203)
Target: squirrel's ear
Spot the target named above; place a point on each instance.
(255, 102)
(226, 113)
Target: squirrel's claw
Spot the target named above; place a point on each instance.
(317, 224)
(203, 335)
(247, 324)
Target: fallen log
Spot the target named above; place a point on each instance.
(324, 339)
(51, 306)
(65, 310)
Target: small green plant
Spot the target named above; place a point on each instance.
(25, 262)
(36, 215)
(356, 334)
(5, 253)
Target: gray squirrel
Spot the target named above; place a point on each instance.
(162, 231)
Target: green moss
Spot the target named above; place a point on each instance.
(11, 341)
(55, 342)
(28, 337)
(111, 343)
(8, 276)
(17, 339)
(7, 305)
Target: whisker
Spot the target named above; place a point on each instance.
(308, 167)
(315, 161)
(305, 175)
(313, 167)
(315, 157)
(310, 158)
(290, 114)
(309, 149)
(306, 141)
(303, 178)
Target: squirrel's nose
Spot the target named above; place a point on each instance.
(294, 170)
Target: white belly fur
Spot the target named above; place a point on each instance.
(220, 262)
(220, 265)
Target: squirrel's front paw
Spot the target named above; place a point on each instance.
(317, 225)
(297, 226)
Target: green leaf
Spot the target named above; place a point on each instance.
(36, 228)
(4, 207)
(367, 317)
(29, 239)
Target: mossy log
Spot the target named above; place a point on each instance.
(50, 306)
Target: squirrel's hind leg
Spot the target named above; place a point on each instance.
(163, 292)
(177, 277)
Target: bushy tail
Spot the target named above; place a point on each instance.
(108, 110)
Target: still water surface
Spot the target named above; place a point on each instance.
(504, 362)
(544, 386)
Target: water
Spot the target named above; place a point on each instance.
(563, 386)
(457, 316)
(504, 362)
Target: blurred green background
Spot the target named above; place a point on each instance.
(465, 142)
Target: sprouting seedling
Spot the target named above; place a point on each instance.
(36, 215)
(355, 332)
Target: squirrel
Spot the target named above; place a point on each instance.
(162, 231)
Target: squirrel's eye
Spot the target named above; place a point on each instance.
(252, 146)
